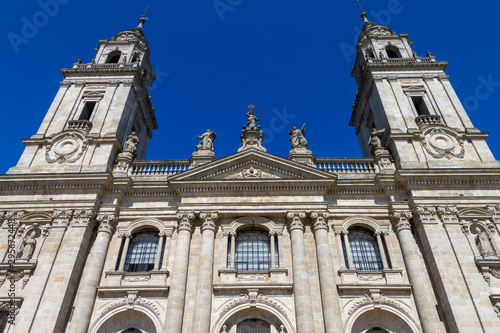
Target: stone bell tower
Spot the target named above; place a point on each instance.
(411, 97)
(97, 106)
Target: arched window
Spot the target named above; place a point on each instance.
(253, 250)
(392, 52)
(364, 250)
(114, 57)
(132, 330)
(141, 253)
(253, 326)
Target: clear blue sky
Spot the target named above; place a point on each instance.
(282, 56)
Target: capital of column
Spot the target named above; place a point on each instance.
(165, 234)
(14, 217)
(447, 214)
(296, 219)
(186, 221)
(320, 220)
(124, 235)
(61, 217)
(209, 219)
(83, 218)
(401, 219)
(107, 222)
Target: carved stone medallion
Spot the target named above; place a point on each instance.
(65, 147)
(443, 142)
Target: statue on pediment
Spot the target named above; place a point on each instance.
(297, 137)
(207, 140)
(251, 121)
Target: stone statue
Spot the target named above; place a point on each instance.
(28, 246)
(79, 61)
(207, 140)
(376, 140)
(131, 143)
(414, 54)
(92, 61)
(251, 121)
(429, 54)
(483, 242)
(130, 147)
(297, 137)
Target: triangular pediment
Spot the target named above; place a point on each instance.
(252, 164)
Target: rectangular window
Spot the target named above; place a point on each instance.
(420, 106)
(88, 108)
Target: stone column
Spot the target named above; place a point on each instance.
(303, 302)
(85, 298)
(329, 294)
(177, 293)
(415, 267)
(124, 252)
(338, 238)
(348, 250)
(158, 251)
(166, 251)
(233, 249)
(203, 298)
(272, 236)
(381, 248)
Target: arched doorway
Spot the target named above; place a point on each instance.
(382, 321)
(253, 325)
(125, 321)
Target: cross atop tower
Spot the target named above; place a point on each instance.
(144, 12)
(360, 6)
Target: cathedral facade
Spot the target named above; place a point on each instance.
(406, 239)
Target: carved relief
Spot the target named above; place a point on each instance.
(251, 173)
(443, 142)
(251, 278)
(66, 146)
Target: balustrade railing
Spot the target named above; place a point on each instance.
(424, 120)
(346, 165)
(114, 65)
(159, 168)
(332, 165)
(401, 60)
(83, 125)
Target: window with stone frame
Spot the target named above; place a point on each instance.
(142, 250)
(253, 250)
(365, 251)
